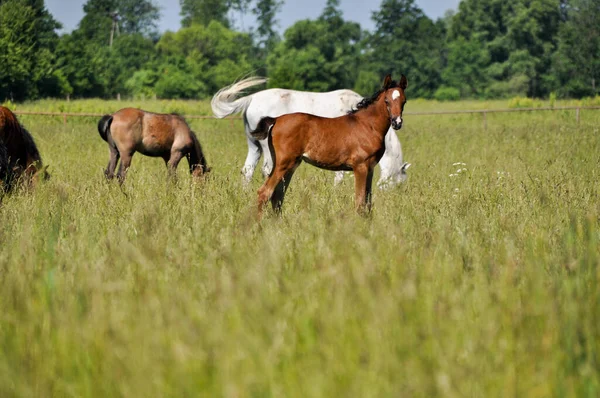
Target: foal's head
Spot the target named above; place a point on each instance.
(395, 99)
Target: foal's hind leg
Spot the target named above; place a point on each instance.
(361, 180)
(281, 188)
(112, 163)
(281, 170)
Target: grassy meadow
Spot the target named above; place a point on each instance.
(478, 283)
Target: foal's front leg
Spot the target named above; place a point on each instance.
(361, 182)
(368, 190)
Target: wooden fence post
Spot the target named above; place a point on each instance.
(64, 118)
(577, 117)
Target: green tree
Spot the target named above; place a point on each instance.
(265, 11)
(298, 69)
(518, 38)
(405, 41)
(84, 64)
(204, 11)
(27, 43)
(317, 55)
(142, 84)
(134, 16)
(130, 53)
(209, 56)
(465, 69)
(91, 68)
(577, 61)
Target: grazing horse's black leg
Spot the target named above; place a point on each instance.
(112, 163)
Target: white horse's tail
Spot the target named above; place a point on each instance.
(224, 102)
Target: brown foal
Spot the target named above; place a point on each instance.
(169, 137)
(354, 142)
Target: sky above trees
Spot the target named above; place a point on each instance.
(70, 12)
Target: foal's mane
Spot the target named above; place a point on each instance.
(365, 102)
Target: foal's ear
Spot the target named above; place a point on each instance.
(387, 82)
(403, 82)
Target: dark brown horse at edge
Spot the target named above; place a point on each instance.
(20, 160)
(169, 137)
(353, 142)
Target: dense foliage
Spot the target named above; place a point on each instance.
(485, 49)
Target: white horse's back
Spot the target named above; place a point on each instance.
(276, 102)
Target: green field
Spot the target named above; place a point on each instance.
(481, 284)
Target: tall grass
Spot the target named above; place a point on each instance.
(483, 282)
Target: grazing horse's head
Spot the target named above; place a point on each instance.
(41, 174)
(395, 99)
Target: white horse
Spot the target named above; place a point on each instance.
(276, 102)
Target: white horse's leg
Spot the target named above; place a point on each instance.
(391, 163)
(254, 151)
(267, 158)
(339, 176)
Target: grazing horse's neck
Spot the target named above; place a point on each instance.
(377, 114)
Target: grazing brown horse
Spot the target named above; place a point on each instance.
(20, 159)
(354, 142)
(3, 165)
(169, 137)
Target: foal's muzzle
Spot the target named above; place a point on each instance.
(397, 123)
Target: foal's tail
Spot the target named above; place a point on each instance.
(196, 159)
(104, 126)
(263, 128)
(224, 102)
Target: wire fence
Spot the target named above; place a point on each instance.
(482, 112)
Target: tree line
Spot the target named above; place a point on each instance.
(485, 49)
